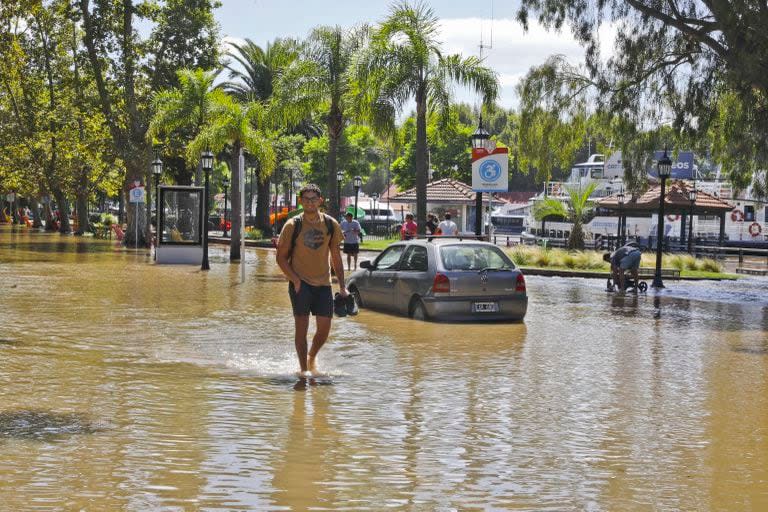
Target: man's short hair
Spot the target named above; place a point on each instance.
(447, 216)
(348, 214)
(310, 187)
(607, 257)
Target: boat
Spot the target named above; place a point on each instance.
(746, 225)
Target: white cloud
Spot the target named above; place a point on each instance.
(514, 51)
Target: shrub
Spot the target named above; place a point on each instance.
(107, 219)
(710, 265)
(253, 234)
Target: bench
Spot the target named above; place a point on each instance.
(752, 271)
(648, 272)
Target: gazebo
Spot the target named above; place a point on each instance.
(676, 202)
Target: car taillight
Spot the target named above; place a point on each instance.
(520, 287)
(441, 284)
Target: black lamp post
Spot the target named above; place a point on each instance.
(479, 139)
(357, 183)
(692, 199)
(207, 159)
(339, 178)
(664, 166)
(621, 234)
(375, 197)
(225, 182)
(157, 170)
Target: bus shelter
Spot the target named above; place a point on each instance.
(179, 225)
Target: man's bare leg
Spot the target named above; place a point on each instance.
(300, 339)
(349, 261)
(355, 261)
(321, 335)
(622, 279)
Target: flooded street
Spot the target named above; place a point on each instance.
(131, 386)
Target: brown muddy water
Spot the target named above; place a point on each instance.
(130, 386)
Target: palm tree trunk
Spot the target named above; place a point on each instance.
(335, 130)
(262, 204)
(421, 161)
(234, 168)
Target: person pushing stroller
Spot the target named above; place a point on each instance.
(623, 259)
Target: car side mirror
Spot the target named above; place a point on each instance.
(367, 264)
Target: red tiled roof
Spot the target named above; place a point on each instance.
(445, 190)
(675, 200)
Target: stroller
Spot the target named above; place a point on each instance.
(629, 283)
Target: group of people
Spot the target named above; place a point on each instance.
(445, 228)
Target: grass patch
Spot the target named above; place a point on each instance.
(377, 245)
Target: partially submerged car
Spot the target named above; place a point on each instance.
(442, 279)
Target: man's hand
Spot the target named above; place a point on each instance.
(296, 285)
(343, 290)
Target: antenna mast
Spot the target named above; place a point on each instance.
(482, 45)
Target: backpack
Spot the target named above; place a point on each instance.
(297, 230)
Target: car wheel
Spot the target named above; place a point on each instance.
(356, 294)
(418, 311)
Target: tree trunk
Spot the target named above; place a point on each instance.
(237, 207)
(37, 222)
(135, 235)
(262, 205)
(61, 201)
(421, 161)
(576, 238)
(335, 130)
(81, 210)
(48, 216)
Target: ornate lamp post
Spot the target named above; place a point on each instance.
(339, 178)
(692, 198)
(225, 182)
(357, 183)
(621, 234)
(664, 166)
(207, 160)
(157, 170)
(375, 197)
(480, 139)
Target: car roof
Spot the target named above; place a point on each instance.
(441, 241)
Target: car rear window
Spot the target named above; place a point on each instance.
(474, 257)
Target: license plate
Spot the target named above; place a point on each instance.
(485, 307)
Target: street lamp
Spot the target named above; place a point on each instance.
(664, 166)
(480, 138)
(207, 161)
(157, 170)
(692, 198)
(357, 183)
(225, 182)
(339, 178)
(620, 235)
(375, 197)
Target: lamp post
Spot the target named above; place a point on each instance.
(157, 170)
(692, 198)
(339, 178)
(225, 182)
(358, 182)
(207, 160)
(664, 166)
(620, 235)
(479, 138)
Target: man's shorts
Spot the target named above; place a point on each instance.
(351, 248)
(630, 261)
(317, 300)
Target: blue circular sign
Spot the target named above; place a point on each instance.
(490, 170)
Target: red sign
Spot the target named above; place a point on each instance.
(477, 154)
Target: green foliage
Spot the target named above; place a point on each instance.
(254, 234)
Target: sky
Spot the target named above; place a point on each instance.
(512, 54)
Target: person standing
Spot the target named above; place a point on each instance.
(409, 228)
(447, 227)
(351, 230)
(431, 224)
(306, 242)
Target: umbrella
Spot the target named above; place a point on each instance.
(360, 212)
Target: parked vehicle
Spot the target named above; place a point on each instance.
(442, 279)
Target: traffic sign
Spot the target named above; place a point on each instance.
(137, 195)
(490, 170)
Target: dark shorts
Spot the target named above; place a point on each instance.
(351, 248)
(317, 300)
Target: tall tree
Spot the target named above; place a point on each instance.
(404, 61)
(253, 80)
(239, 126)
(319, 80)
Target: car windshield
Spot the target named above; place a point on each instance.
(474, 257)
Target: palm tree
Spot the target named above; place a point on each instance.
(186, 107)
(253, 80)
(320, 80)
(576, 211)
(405, 61)
(240, 126)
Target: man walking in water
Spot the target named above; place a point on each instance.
(303, 251)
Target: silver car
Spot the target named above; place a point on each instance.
(442, 279)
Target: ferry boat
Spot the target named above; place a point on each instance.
(745, 225)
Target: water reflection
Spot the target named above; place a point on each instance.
(590, 404)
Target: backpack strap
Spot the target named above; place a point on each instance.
(329, 226)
